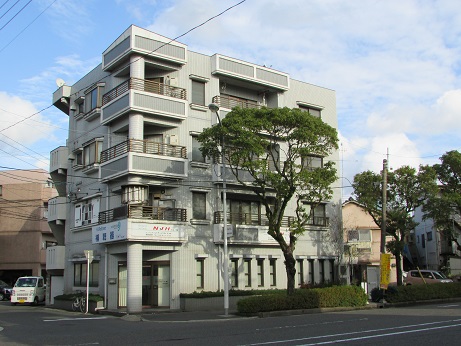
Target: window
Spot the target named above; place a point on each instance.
(92, 153)
(89, 154)
(198, 92)
(244, 212)
(87, 212)
(300, 270)
(272, 272)
(312, 111)
(311, 162)
(260, 264)
(200, 270)
(311, 271)
(359, 235)
(332, 270)
(322, 270)
(199, 205)
(247, 272)
(429, 236)
(317, 215)
(234, 273)
(196, 153)
(423, 241)
(274, 157)
(80, 274)
(1, 190)
(93, 98)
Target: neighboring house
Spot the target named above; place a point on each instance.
(362, 247)
(24, 231)
(142, 197)
(431, 249)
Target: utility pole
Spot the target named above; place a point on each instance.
(383, 224)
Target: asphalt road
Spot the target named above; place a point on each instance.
(436, 324)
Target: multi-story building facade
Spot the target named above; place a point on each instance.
(142, 197)
(431, 248)
(362, 247)
(24, 231)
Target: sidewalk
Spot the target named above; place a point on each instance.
(155, 315)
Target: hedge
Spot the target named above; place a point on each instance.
(71, 296)
(209, 294)
(336, 296)
(413, 293)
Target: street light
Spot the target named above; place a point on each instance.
(215, 108)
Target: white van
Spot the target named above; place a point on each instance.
(28, 289)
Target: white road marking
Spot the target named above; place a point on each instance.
(448, 306)
(76, 319)
(364, 332)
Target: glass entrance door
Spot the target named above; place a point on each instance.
(156, 284)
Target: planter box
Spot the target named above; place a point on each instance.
(67, 305)
(207, 304)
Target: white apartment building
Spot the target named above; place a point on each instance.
(135, 189)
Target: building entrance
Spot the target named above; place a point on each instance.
(156, 284)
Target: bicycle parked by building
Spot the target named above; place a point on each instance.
(79, 302)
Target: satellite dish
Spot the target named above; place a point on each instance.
(60, 82)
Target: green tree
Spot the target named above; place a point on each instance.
(407, 189)
(268, 152)
(444, 205)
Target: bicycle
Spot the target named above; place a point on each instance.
(79, 302)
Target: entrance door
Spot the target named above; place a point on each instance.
(163, 285)
(155, 284)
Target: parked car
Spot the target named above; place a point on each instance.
(28, 289)
(418, 277)
(5, 290)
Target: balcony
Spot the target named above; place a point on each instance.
(57, 210)
(58, 168)
(145, 96)
(142, 42)
(143, 212)
(145, 158)
(55, 258)
(261, 220)
(235, 69)
(227, 101)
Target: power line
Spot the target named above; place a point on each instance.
(190, 30)
(8, 10)
(16, 14)
(14, 38)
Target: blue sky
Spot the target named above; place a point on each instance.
(395, 65)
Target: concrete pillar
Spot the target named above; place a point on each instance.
(137, 65)
(136, 126)
(136, 120)
(134, 278)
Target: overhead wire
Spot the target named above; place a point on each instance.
(8, 10)
(14, 38)
(84, 88)
(22, 9)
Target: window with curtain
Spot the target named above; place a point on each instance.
(199, 205)
(198, 92)
(196, 153)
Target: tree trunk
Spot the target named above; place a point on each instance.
(290, 267)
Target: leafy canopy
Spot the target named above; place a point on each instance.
(265, 148)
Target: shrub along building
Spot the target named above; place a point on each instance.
(141, 196)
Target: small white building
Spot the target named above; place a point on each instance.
(135, 189)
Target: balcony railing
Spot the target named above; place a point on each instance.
(230, 102)
(145, 147)
(261, 220)
(143, 212)
(144, 85)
